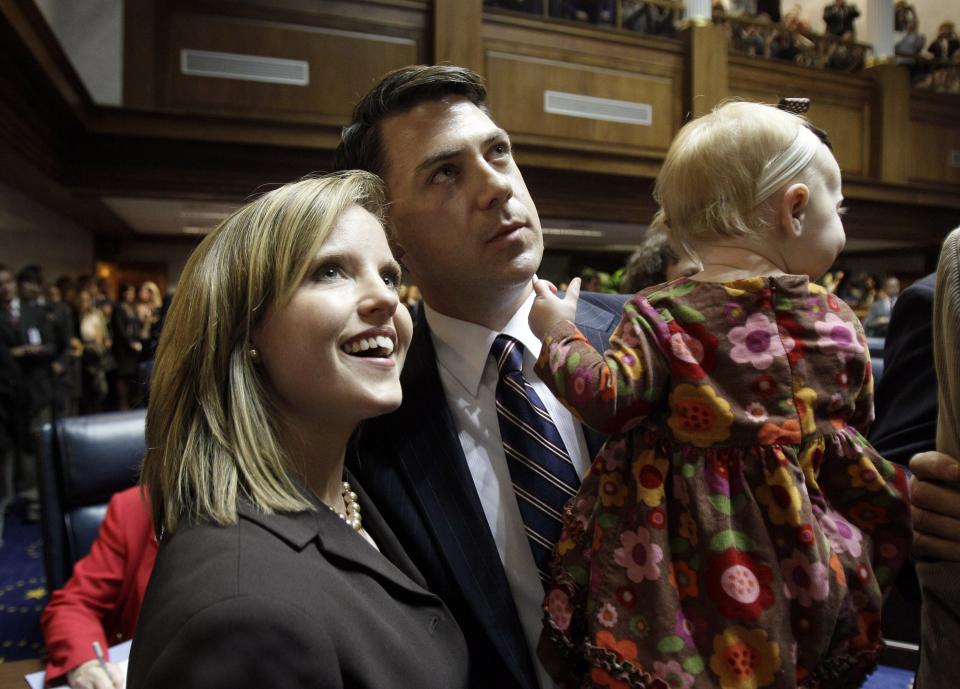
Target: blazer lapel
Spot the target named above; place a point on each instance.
(337, 540)
(434, 466)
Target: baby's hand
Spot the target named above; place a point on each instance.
(549, 309)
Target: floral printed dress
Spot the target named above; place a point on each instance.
(736, 530)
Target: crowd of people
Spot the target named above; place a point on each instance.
(67, 347)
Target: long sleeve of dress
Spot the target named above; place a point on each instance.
(611, 391)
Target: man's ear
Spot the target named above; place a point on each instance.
(792, 210)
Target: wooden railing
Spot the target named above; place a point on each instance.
(938, 76)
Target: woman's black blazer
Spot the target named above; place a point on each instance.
(292, 600)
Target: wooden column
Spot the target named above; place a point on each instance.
(890, 123)
(706, 79)
(140, 53)
(456, 33)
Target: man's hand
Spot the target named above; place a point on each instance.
(90, 675)
(549, 309)
(935, 498)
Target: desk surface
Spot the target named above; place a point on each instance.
(11, 673)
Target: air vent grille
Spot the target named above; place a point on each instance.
(606, 109)
(271, 70)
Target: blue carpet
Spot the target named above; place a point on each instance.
(23, 592)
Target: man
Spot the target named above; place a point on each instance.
(878, 318)
(36, 342)
(464, 225)
(839, 17)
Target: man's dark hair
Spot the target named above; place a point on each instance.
(361, 147)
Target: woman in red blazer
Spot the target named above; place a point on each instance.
(101, 600)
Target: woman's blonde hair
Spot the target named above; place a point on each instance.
(212, 429)
(156, 299)
(707, 186)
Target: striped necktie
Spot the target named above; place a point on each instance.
(542, 473)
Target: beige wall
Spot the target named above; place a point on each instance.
(30, 233)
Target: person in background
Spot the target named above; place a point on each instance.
(125, 329)
(95, 337)
(653, 262)
(68, 388)
(275, 568)
(149, 311)
(878, 317)
(946, 43)
(41, 348)
(101, 600)
(13, 391)
(839, 17)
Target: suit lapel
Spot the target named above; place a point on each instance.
(434, 466)
(383, 536)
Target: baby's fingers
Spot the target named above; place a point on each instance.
(573, 292)
(542, 288)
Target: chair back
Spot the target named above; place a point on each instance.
(84, 461)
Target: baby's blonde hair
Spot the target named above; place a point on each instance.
(707, 186)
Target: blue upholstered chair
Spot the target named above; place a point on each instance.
(84, 461)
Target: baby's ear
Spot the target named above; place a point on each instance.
(792, 210)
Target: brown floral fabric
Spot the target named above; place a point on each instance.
(737, 530)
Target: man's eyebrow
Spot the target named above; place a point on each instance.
(448, 153)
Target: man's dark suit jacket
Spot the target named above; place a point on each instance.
(297, 601)
(35, 368)
(906, 398)
(414, 469)
(906, 423)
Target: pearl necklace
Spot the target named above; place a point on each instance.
(352, 515)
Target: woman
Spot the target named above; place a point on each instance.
(101, 599)
(95, 337)
(127, 346)
(285, 334)
(149, 308)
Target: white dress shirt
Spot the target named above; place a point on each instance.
(469, 377)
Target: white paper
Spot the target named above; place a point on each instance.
(119, 655)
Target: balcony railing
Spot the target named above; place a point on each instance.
(650, 17)
(789, 42)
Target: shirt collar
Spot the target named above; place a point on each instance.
(463, 348)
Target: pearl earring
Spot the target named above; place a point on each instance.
(254, 355)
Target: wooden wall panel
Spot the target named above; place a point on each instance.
(840, 104)
(933, 133)
(524, 58)
(518, 83)
(343, 66)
